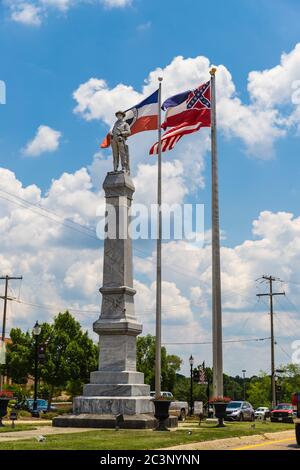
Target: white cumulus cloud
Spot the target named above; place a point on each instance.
(267, 116)
(116, 3)
(63, 267)
(26, 13)
(33, 12)
(45, 140)
(62, 5)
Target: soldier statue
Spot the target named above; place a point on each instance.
(119, 134)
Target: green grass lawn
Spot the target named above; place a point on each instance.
(18, 427)
(145, 440)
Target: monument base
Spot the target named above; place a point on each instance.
(112, 405)
(86, 420)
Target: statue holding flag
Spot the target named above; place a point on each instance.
(119, 134)
(141, 117)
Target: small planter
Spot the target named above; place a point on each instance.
(3, 408)
(220, 412)
(161, 413)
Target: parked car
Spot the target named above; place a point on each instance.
(262, 412)
(284, 412)
(240, 411)
(163, 394)
(177, 408)
(42, 405)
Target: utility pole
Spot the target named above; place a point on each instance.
(272, 279)
(5, 298)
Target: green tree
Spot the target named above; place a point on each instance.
(182, 390)
(170, 364)
(289, 381)
(259, 390)
(232, 388)
(19, 356)
(70, 356)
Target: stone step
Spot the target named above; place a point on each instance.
(110, 377)
(136, 421)
(116, 390)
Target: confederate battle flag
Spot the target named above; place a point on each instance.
(186, 113)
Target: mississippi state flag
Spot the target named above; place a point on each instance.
(186, 113)
(142, 117)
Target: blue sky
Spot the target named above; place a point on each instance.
(45, 59)
(42, 66)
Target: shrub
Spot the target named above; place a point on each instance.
(24, 414)
(49, 415)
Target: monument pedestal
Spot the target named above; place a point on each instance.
(116, 388)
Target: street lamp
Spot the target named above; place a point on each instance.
(36, 333)
(277, 386)
(244, 382)
(191, 361)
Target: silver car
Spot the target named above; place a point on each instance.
(240, 411)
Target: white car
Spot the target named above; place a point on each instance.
(163, 394)
(262, 412)
(177, 408)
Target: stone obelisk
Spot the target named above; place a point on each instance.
(116, 388)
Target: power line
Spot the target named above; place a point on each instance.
(60, 222)
(284, 351)
(291, 282)
(224, 341)
(292, 304)
(45, 209)
(60, 308)
(89, 232)
(289, 316)
(83, 230)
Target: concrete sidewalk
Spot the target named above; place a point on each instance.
(40, 431)
(37, 422)
(233, 442)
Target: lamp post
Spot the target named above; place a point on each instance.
(36, 333)
(244, 383)
(191, 361)
(277, 387)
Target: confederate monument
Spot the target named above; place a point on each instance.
(119, 134)
(116, 389)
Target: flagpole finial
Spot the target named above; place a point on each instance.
(160, 79)
(213, 71)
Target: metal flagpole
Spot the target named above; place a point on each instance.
(216, 271)
(158, 258)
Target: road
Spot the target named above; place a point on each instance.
(286, 443)
(284, 440)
